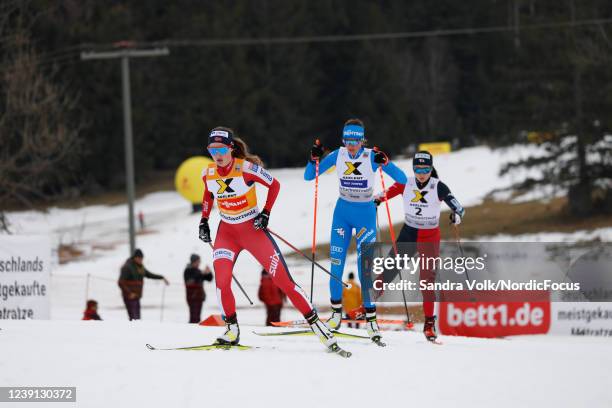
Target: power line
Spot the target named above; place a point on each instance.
(369, 37)
(67, 53)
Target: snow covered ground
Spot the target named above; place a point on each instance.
(172, 234)
(110, 366)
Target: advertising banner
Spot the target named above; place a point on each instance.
(25, 263)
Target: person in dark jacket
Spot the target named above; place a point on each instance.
(194, 286)
(131, 282)
(91, 312)
(272, 297)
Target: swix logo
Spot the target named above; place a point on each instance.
(419, 196)
(340, 231)
(224, 186)
(351, 168)
(274, 260)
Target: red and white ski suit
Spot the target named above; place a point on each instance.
(234, 188)
(422, 219)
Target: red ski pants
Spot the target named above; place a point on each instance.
(230, 241)
(428, 244)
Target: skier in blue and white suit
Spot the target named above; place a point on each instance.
(356, 168)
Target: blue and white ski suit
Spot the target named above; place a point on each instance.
(355, 209)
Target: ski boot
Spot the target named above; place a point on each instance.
(232, 332)
(325, 335)
(429, 329)
(372, 327)
(335, 321)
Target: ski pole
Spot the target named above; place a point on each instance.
(382, 181)
(392, 232)
(87, 288)
(236, 281)
(314, 226)
(161, 315)
(346, 285)
(458, 241)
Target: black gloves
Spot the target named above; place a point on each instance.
(377, 202)
(380, 157)
(204, 230)
(455, 218)
(261, 221)
(317, 151)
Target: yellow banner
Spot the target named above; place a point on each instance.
(436, 148)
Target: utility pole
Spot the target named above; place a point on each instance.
(125, 53)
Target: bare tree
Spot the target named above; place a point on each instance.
(39, 124)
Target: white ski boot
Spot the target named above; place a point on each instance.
(335, 321)
(232, 332)
(372, 328)
(325, 335)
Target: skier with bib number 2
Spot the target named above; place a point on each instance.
(423, 195)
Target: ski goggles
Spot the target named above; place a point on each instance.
(422, 170)
(352, 142)
(218, 151)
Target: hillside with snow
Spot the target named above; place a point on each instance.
(171, 235)
(110, 366)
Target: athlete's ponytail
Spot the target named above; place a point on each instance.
(434, 172)
(241, 151)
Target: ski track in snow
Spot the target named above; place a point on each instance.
(110, 366)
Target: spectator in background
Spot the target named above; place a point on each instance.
(351, 297)
(141, 220)
(194, 286)
(272, 297)
(91, 311)
(131, 282)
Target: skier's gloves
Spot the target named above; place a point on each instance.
(317, 151)
(380, 158)
(204, 230)
(261, 221)
(455, 218)
(377, 201)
